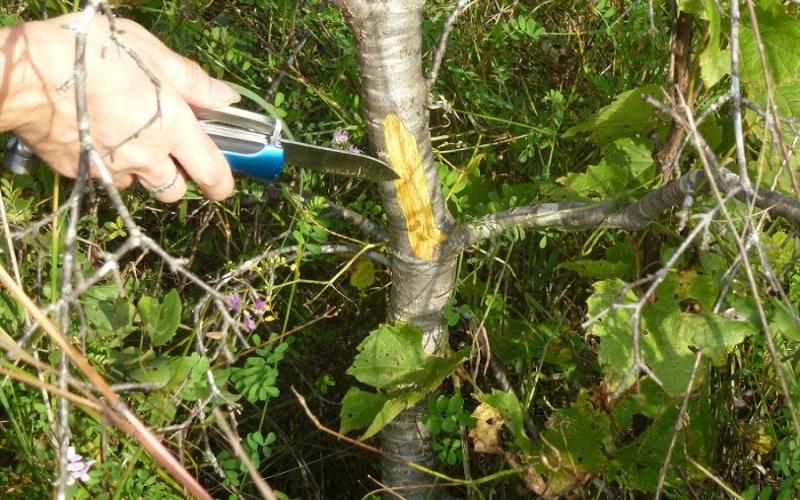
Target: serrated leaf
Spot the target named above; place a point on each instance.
(716, 335)
(666, 338)
(627, 164)
(582, 436)
(779, 33)
(388, 354)
(415, 384)
(627, 116)
(715, 62)
(363, 275)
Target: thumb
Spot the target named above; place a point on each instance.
(194, 84)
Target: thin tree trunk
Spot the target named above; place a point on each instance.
(388, 36)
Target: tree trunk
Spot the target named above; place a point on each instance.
(389, 37)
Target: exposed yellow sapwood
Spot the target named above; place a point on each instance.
(412, 190)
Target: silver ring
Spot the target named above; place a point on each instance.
(166, 186)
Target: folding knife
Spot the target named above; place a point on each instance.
(253, 145)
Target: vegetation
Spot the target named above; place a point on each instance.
(588, 352)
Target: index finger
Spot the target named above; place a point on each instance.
(202, 161)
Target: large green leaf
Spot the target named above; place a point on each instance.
(415, 385)
(627, 116)
(582, 436)
(359, 409)
(716, 335)
(667, 337)
(638, 461)
(779, 34)
(388, 354)
(627, 164)
(392, 358)
(715, 62)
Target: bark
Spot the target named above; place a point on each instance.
(388, 36)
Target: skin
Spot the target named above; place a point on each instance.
(38, 104)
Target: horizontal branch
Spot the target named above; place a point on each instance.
(635, 215)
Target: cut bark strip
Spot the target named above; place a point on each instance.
(412, 190)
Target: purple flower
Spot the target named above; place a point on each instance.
(340, 137)
(354, 150)
(235, 302)
(77, 467)
(259, 305)
(248, 325)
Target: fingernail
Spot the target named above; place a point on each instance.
(224, 93)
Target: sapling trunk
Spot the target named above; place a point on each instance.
(388, 36)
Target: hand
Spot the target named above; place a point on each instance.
(37, 101)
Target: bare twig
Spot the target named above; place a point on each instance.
(441, 47)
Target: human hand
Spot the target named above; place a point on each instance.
(37, 101)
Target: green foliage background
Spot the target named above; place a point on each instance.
(544, 105)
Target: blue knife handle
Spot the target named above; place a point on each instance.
(265, 164)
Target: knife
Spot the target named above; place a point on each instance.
(252, 145)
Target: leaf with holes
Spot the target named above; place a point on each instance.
(388, 354)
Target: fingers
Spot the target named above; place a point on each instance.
(166, 182)
(202, 161)
(193, 83)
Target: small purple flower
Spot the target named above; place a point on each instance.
(259, 305)
(77, 467)
(235, 302)
(248, 325)
(354, 150)
(340, 137)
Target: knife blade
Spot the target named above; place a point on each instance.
(253, 145)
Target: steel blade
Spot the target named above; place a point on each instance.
(335, 161)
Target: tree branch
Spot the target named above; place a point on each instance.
(583, 215)
(441, 47)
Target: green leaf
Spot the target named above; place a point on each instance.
(715, 62)
(363, 274)
(597, 269)
(627, 116)
(393, 407)
(628, 163)
(716, 335)
(415, 382)
(359, 409)
(509, 407)
(781, 321)
(583, 437)
(189, 372)
(779, 34)
(161, 321)
(666, 338)
(388, 354)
